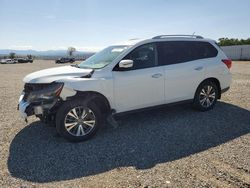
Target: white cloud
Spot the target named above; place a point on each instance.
(21, 47)
(89, 49)
(78, 48)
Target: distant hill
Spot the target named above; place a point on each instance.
(46, 54)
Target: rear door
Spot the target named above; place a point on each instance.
(184, 65)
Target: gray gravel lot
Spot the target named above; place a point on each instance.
(168, 147)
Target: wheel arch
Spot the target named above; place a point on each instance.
(214, 80)
(99, 99)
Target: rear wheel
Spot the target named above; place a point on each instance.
(78, 120)
(206, 96)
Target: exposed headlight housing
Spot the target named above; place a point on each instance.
(48, 93)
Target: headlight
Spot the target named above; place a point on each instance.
(48, 93)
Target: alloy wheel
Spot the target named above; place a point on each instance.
(79, 121)
(207, 96)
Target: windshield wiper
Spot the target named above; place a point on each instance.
(88, 75)
(82, 67)
(75, 65)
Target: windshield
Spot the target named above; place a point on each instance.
(103, 58)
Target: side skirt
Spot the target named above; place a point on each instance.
(151, 107)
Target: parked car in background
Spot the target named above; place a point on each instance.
(133, 75)
(24, 60)
(15, 60)
(65, 60)
(8, 61)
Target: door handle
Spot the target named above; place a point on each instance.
(198, 68)
(158, 75)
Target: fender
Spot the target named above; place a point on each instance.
(102, 86)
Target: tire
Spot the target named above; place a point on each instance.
(207, 90)
(83, 128)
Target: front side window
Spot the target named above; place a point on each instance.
(103, 58)
(143, 57)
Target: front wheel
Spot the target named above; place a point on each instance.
(206, 96)
(78, 120)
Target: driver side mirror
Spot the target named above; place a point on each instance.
(126, 63)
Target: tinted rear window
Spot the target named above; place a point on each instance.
(173, 52)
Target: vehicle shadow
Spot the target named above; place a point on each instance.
(142, 140)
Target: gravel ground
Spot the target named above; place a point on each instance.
(168, 147)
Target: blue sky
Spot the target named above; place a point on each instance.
(93, 24)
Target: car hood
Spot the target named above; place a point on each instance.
(54, 74)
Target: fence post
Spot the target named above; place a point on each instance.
(241, 49)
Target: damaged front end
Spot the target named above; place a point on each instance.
(39, 99)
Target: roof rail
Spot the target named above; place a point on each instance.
(168, 36)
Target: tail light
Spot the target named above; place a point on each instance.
(227, 62)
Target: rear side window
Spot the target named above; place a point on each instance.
(173, 52)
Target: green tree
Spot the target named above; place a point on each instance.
(29, 56)
(12, 55)
(233, 41)
(71, 50)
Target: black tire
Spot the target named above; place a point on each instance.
(66, 108)
(199, 103)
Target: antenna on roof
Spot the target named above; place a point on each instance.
(193, 34)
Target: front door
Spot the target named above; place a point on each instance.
(142, 85)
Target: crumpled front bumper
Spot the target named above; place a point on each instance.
(22, 106)
(28, 109)
(39, 99)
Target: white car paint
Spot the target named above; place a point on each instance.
(54, 74)
(138, 88)
(130, 90)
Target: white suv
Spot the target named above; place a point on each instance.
(133, 75)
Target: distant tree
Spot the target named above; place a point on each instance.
(12, 55)
(29, 56)
(71, 50)
(233, 41)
